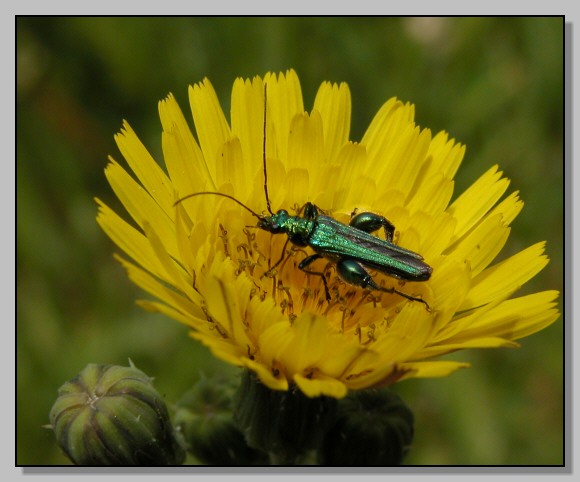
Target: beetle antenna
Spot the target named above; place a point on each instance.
(179, 201)
(264, 151)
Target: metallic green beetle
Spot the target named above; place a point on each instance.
(351, 246)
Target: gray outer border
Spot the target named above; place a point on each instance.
(426, 470)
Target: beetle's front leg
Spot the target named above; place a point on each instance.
(355, 274)
(309, 209)
(308, 260)
(282, 256)
(369, 222)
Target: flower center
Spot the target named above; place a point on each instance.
(272, 263)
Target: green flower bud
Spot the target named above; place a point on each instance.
(372, 428)
(112, 415)
(286, 424)
(204, 416)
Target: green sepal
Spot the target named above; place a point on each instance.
(285, 424)
(204, 416)
(372, 428)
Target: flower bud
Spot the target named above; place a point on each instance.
(372, 428)
(204, 416)
(285, 424)
(112, 415)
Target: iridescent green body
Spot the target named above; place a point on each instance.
(351, 247)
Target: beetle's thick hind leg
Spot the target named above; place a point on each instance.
(355, 274)
(370, 222)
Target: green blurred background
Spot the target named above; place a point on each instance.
(495, 84)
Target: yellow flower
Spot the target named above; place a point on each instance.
(208, 266)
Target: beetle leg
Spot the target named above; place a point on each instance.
(310, 210)
(355, 274)
(369, 222)
(308, 260)
(282, 256)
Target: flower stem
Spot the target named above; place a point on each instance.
(282, 459)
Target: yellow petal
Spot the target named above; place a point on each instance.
(408, 332)
(227, 298)
(284, 102)
(339, 362)
(445, 348)
(221, 348)
(334, 104)
(505, 277)
(403, 159)
(274, 341)
(151, 176)
(267, 377)
(210, 123)
(296, 187)
(450, 281)
(432, 195)
(392, 117)
(362, 193)
(184, 160)
(229, 168)
(514, 318)
(187, 319)
(158, 289)
(247, 111)
(509, 208)
(141, 205)
(350, 159)
(127, 238)
(444, 156)
(308, 343)
(483, 244)
(305, 141)
(477, 200)
(432, 369)
(434, 232)
(323, 386)
(384, 375)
